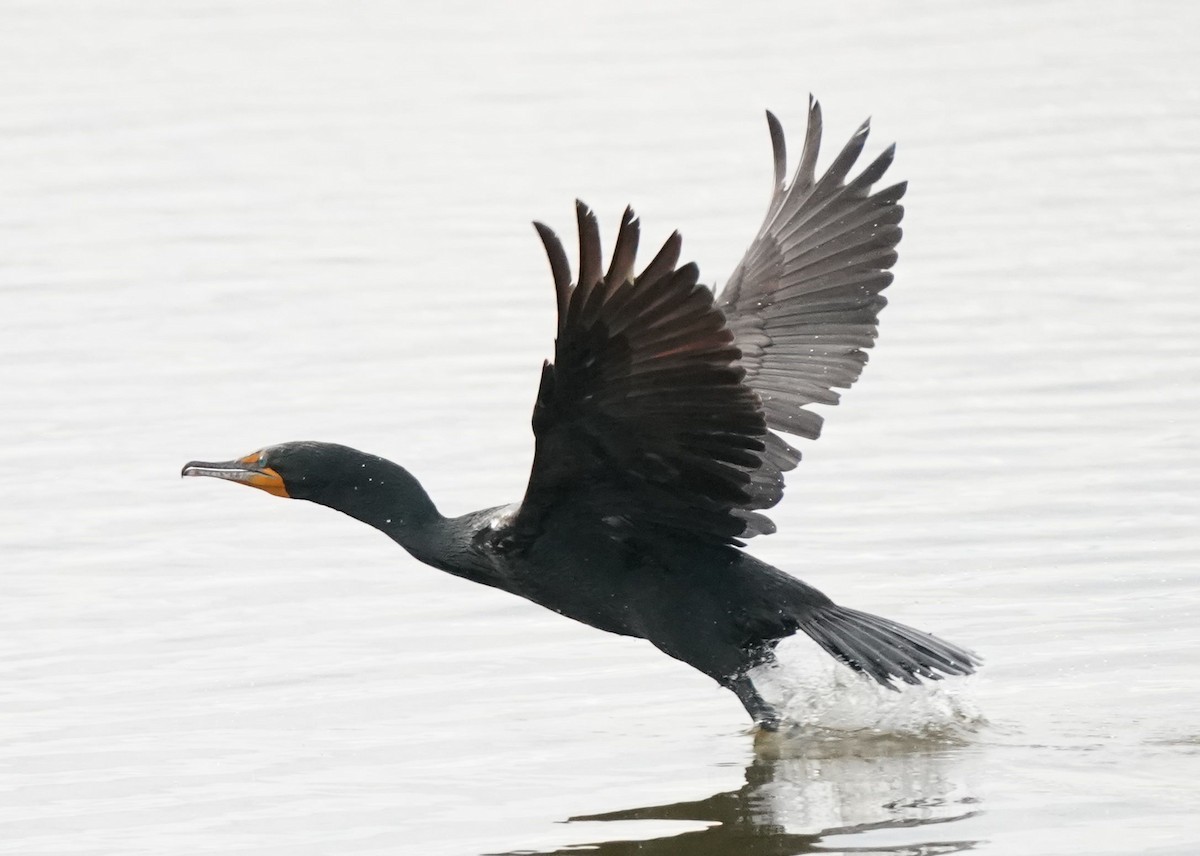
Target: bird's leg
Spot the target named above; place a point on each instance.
(763, 713)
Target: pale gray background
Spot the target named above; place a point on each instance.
(229, 224)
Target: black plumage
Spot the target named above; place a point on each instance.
(656, 445)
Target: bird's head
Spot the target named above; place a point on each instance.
(299, 470)
(367, 487)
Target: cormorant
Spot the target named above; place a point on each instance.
(656, 444)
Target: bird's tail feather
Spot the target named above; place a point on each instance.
(885, 650)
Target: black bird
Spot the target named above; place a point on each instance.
(655, 435)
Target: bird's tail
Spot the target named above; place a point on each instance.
(883, 649)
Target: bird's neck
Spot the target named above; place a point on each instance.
(387, 496)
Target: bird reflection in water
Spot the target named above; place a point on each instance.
(821, 790)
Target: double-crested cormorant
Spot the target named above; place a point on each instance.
(655, 439)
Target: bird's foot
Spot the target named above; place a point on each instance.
(770, 725)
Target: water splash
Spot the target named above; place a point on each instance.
(822, 698)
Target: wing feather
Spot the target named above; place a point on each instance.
(804, 301)
(657, 408)
(643, 415)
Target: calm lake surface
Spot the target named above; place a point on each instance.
(225, 225)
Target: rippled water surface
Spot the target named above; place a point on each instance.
(224, 225)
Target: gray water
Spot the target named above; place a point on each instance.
(224, 225)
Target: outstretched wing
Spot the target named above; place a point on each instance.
(804, 302)
(655, 413)
(642, 419)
